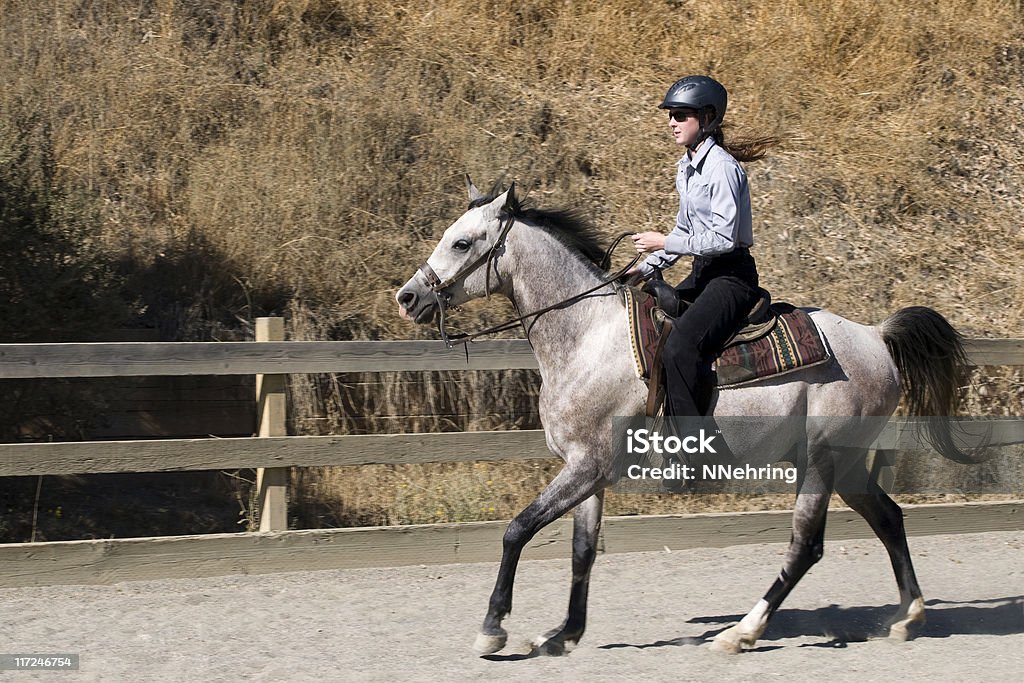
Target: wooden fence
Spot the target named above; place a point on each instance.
(272, 452)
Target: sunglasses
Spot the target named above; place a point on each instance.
(680, 115)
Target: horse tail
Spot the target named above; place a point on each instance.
(932, 363)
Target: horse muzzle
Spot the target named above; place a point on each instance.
(421, 308)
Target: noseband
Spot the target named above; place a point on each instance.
(437, 286)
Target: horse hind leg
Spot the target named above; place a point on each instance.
(806, 546)
(585, 530)
(886, 519)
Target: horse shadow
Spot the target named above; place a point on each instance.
(843, 625)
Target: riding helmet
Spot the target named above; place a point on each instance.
(699, 93)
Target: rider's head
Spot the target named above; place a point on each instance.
(701, 94)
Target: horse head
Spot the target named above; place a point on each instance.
(464, 264)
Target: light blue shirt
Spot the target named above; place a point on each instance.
(714, 208)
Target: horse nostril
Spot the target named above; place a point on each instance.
(407, 299)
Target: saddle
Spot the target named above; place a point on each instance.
(760, 320)
(775, 340)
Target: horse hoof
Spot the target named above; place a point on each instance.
(486, 644)
(726, 646)
(899, 634)
(903, 631)
(549, 645)
(900, 630)
(731, 641)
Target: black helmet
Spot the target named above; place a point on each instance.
(699, 93)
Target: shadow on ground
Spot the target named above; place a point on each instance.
(842, 625)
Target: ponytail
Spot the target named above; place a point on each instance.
(745, 149)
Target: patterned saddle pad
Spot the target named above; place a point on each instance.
(791, 344)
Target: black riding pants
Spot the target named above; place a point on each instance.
(723, 290)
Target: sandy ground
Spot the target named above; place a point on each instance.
(651, 614)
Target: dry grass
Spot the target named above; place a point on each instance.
(301, 157)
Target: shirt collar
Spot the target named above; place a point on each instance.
(698, 157)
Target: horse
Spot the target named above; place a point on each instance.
(503, 246)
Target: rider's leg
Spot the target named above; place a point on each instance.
(697, 337)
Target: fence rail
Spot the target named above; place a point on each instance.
(272, 452)
(127, 359)
(179, 557)
(178, 455)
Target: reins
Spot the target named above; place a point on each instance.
(437, 286)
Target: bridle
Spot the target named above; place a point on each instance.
(437, 285)
(489, 257)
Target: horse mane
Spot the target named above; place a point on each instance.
(568, 226)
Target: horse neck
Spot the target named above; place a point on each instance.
(544, 272)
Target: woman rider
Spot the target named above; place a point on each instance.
(714, 227)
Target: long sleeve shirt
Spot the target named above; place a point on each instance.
(714, 208)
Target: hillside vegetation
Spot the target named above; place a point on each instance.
(188, 165)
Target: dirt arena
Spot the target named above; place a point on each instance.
(651, 617)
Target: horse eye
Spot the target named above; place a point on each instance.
(461, 245)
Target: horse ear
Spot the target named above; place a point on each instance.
(474, 193)
(500, 203)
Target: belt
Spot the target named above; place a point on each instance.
(737, 253)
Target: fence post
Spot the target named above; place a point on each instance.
(271, 411)
(881, 464)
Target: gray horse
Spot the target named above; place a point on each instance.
(537, 258)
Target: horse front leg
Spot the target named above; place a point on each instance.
(585, 529)
(573, 485)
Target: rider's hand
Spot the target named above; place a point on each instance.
(648, 241)
(633, 276)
